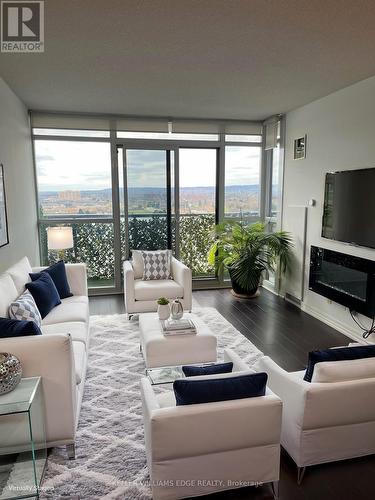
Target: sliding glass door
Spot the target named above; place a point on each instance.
(169, 206)
(147, 215)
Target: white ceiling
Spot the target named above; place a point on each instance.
(240, 59)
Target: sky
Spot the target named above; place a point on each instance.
(63, 165)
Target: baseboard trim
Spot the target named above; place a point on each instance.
(337, 325)
(269, 287)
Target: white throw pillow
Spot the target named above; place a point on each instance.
(157, 265)
(340, 371)
(25, 309)
(20, 274)
(137, 263)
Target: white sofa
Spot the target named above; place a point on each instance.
(190, 447)
(59, 355)
(140, 296)
(325, 421)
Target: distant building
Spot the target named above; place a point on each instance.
(69, 195)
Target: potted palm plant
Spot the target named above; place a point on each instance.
(246, 250)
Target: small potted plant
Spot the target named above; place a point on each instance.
(163, 308)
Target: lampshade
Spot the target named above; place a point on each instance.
(59, 238)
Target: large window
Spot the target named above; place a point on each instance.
(74, 178)
(74, 189)
(242, 182)
(121, 189)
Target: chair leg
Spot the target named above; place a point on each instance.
(275, 489)
(300, 473)
(71, 451)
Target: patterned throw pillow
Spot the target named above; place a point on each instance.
(24, 308)
(157, 265)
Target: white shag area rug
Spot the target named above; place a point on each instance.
(110, 456)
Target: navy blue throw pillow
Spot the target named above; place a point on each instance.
(190, 392)
(45, 293)
(58, 274)
(338, 354)
(193, 371)
(17, 328)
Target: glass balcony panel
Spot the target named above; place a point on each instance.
(195, 243)
(93, 244)
(147, 232)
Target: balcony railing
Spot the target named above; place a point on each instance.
(94, 243)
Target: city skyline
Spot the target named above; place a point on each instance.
(148, 200)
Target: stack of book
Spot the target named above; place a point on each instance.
(182, 326)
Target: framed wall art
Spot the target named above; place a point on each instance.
(300, 148)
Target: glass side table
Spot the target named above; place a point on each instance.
(168, 374)
(23, 452)
(164, 375)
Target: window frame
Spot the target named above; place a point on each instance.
(166, 144)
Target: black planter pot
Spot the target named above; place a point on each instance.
(241, 292)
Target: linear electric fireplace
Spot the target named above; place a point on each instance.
(343, 278)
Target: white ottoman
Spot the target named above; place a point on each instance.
(160, 350)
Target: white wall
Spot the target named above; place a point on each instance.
(16, 156)
(340, 132)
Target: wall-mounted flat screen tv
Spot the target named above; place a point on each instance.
(349, 207)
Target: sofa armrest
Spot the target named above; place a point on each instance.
(51, 358)
(291, 389)
(149, 405)
(238, 364)
(77, 277)
(192, 430)
(129, 294)
(149, 401)
(183, 276)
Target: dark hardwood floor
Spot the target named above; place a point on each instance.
(286, 334)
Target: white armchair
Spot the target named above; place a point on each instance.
(323, 421)
(197, 449)
(140, 296)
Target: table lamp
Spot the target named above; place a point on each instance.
(60, 239)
